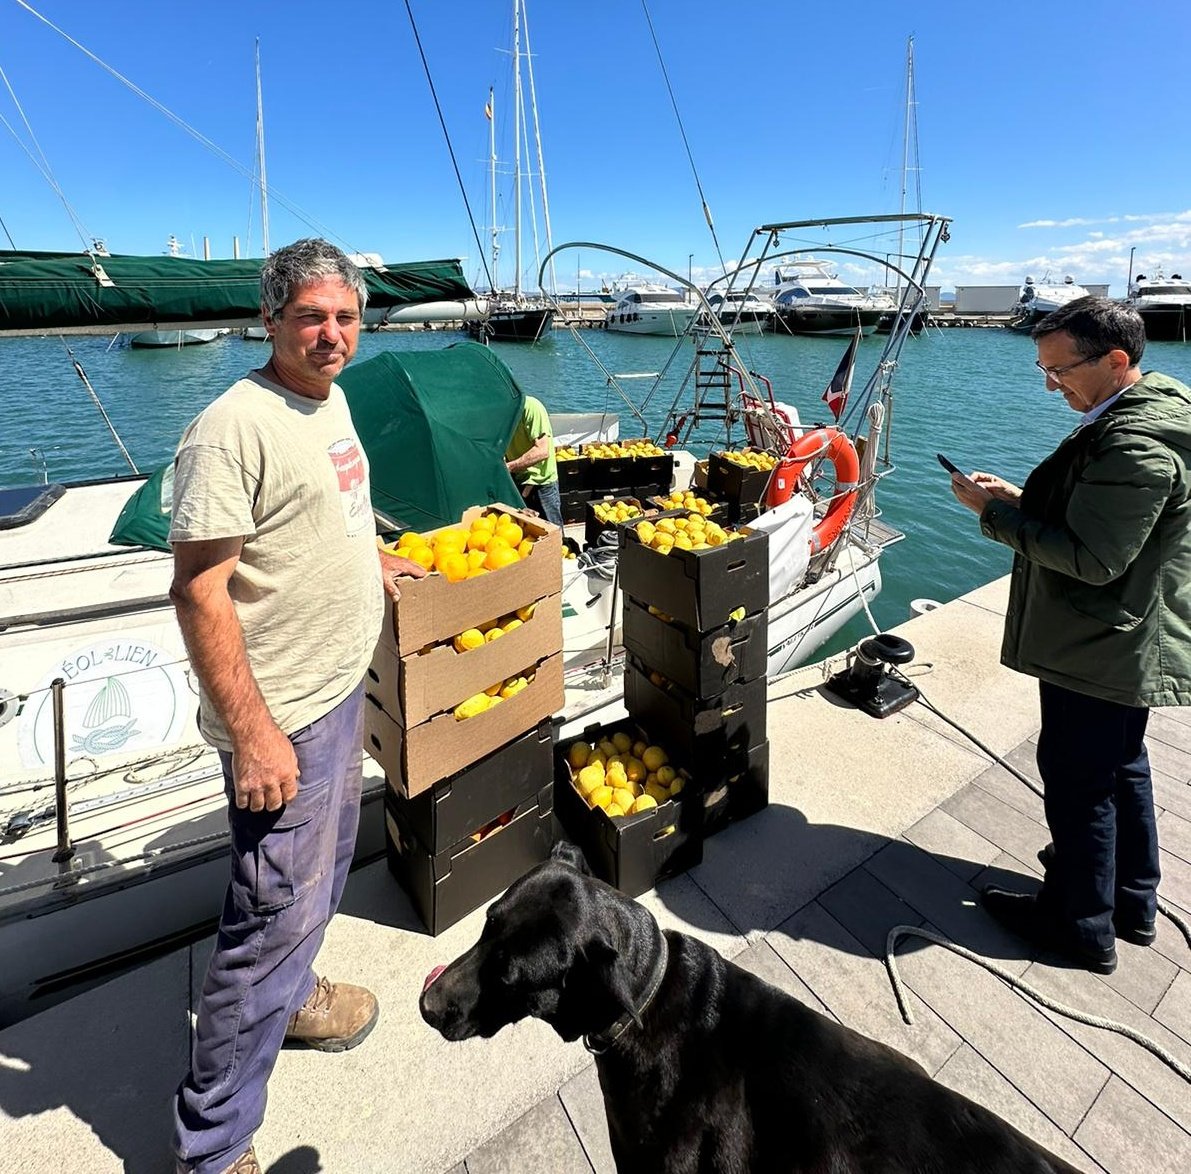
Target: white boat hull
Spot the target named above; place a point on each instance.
(173, 338)
(668, 323)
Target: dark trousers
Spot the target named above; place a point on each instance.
(288, 871)
(1099, 803)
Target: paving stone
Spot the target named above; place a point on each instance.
(1174, 1011)
(1043, 1062)
(540, 1140)
(1175, 885)
(1170, 760)
(999, 782)
(867, 909)
(1172, 794)
(461, 1168)
(941, 897)
(1125, 1132)
(1170, 942)
(583, 1100)
(855, 988)
(1086, 993)
(1000, 824)
(952, 843)
(1162, 727)
(1174, 834)
(971, 1074)
(762, 960)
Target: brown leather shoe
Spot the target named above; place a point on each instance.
(336, 1017)
(246, 1163)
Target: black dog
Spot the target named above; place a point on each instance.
(705, 1067)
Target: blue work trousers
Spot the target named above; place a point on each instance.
(1099, 802)
(545, 499)
(288, 871)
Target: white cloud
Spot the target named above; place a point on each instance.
(1069, 223)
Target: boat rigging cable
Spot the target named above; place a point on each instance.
(447, 136)
(247, 172)
(682, 131)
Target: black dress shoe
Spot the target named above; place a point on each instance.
(1021, 914)
(1137, 933)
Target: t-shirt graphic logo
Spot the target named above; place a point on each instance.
(353, 485)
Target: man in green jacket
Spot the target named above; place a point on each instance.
(1100, 612)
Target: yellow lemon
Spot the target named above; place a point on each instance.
(588, 779)
(525, 612)
(510, 532)
(493, 634)
(513, 686)
(666, 775)
(677, 785)
(512, 625)
(524, 547)
(622, 741)
(654, 757)
(624, 797)
(615, 809)
(635, 769)
(643, 803)
(478, 539)
(422, 555)
(657, 793)
(472, 706)
(484, 522)
(502, 556)
(601, 796)
(608, 748)
(639, 748)
(455, 539)
(454, 566)
(468, 640)
(578, 754)
(410, 538)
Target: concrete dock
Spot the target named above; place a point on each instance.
(871, 824)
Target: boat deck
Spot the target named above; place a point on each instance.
(871, 824)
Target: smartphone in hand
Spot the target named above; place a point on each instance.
(948, 465)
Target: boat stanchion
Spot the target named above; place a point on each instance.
(64, 856)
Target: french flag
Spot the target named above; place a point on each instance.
(836, 395)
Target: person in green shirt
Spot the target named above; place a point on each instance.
(530, 459)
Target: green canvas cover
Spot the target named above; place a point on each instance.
(435, 425)
(145, 518)
(63, 291)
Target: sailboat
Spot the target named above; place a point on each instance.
(917, 309)
(511, 316)
(259, 333)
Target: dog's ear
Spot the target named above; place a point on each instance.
(567, 853)
(611, 973)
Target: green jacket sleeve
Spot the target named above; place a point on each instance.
(1113, 506)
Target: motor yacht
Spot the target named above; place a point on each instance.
(811, 299)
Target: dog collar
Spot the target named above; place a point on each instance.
(603, 1040)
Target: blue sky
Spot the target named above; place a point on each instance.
(1055, 134)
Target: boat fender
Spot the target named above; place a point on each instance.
(832, 443)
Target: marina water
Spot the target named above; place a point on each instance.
(972, 394)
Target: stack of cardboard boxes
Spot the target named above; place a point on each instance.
(696, 633)
(696, 630)
(469, 806)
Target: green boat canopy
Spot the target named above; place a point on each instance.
(435, 426)
(82, 291)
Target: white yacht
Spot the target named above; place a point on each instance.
(741, 312)
(1039, 298)
(1164, 304)
(811, 299)
(647, 308)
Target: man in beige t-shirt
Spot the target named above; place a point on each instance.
(279, 592)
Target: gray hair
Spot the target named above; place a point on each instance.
(290, 268)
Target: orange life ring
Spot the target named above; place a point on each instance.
(834, 444)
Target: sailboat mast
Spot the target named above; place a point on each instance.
(517, 145)
(537, 133)
(490, 110)
(260, 154)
